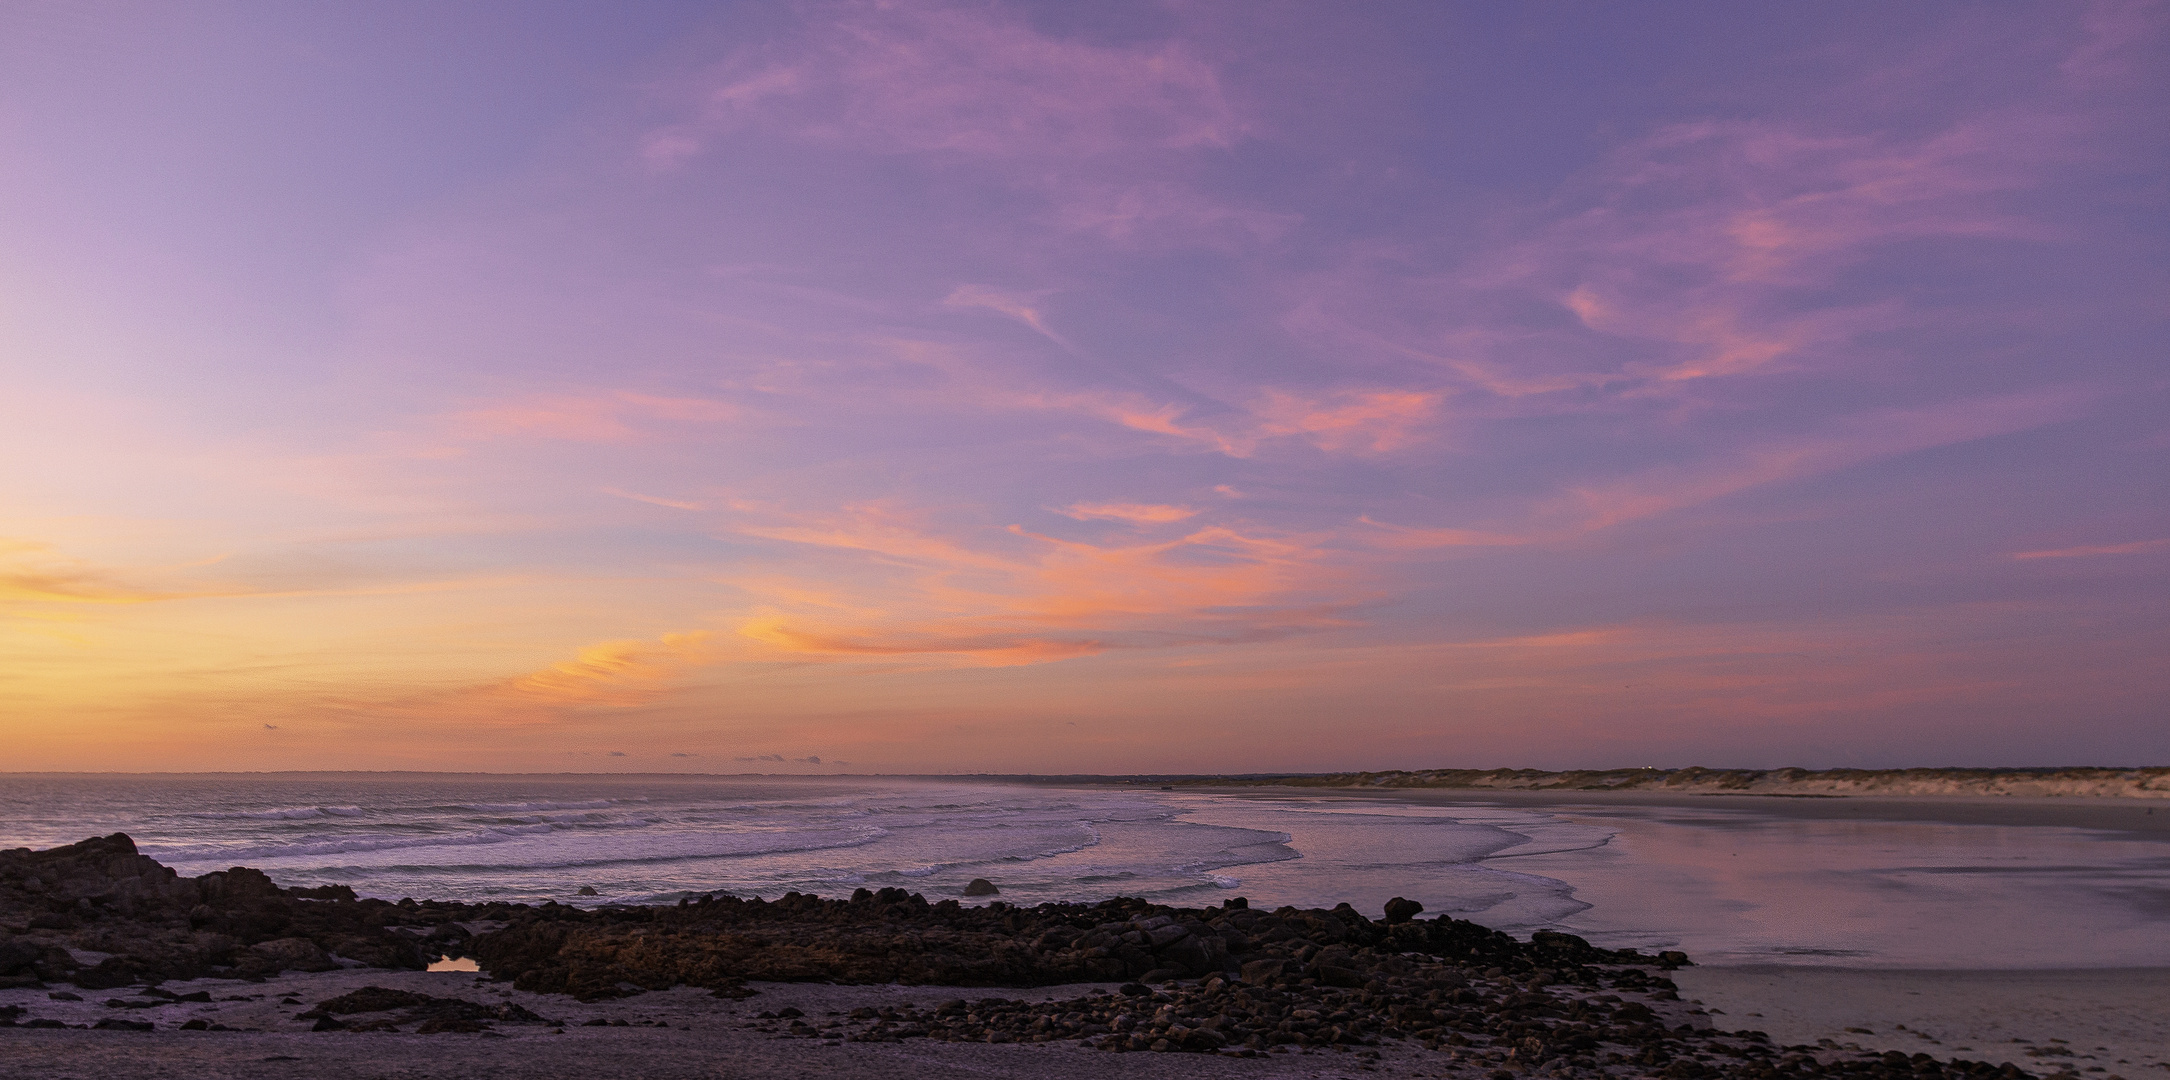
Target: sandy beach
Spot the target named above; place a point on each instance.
(2113, 1019)
(2139, 817)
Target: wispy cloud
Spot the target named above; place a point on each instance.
(33, 572)
(602, 417)
(1138, 513)
(609, 674)
(653, 500)
(2136, 547)
(1013, 596)
(1094, 129)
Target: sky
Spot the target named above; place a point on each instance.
(1059, 388)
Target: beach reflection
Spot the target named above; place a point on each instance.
(1735, 884)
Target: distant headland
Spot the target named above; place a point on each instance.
(2134, 783)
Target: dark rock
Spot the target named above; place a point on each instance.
(980, 886)
(101, 895)
(1334, 975)
(586, 890)
(372, 999)
(116, 1024)
(322, 892)
(291, 953)
(18, 957)
(1399, 910)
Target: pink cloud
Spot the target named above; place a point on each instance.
(1699, 252)
(653, 500)
(932, 77)
(1014, 596)
(1847, 442)
(2136, 547)
(1136, 513)
(606, 417)
(1091, 127)
(1015, 306)
(1373, 420)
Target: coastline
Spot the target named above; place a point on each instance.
(2116, 1019)
(2148, 818)
(1287, 992)
(1965, 1015)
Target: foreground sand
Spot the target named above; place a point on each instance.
(681, 1033)
(2116, 1020)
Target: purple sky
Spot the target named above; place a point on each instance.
(1061, 388)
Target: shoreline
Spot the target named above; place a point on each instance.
(1285, 992)
(2142, 818)
(1933, 883)
(2116, 1019)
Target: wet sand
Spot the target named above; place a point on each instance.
(1917, 882)
(2149, 818)
(2114, 1019)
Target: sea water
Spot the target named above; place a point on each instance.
(1727, 885)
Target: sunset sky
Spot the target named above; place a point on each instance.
(1058, 387)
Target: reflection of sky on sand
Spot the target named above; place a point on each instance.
(1732, 886)
(1447, 858)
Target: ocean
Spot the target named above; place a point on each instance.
(1728, 885)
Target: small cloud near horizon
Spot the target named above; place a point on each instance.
(2137, 547)
(681, 753)
(271, 727)
(618, 753)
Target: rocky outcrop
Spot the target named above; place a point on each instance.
(100, 914)
(895, 936)
(365, 1009)
(2141, 783)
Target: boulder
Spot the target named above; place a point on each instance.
(1399, 910)
(293, 953)
(980, 886)
(17, 957)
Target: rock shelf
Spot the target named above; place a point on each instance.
(1225, 980)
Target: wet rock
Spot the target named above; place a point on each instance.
(292, 953)
(1399, 910)
(372, 999)
(980, 886)
(587, 890)
(322, 892)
